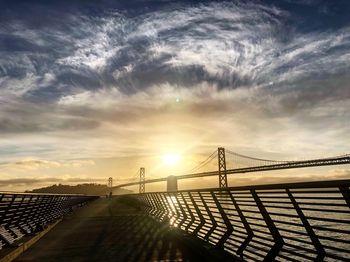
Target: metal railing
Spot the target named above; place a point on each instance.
(25, 213)
(281, 222)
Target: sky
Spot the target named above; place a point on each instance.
(93, 89)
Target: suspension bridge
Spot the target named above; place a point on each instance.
(241, 164)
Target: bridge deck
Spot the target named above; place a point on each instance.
(108, 230)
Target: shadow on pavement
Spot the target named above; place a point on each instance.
(108, 230)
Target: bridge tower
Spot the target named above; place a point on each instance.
(142, 180)
(222, 168)
(110, 185)
(172, 184)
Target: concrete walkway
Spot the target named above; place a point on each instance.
(108, 230)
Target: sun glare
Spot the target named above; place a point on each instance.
(171, 159)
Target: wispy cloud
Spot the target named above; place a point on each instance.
(116, 82)
(213, 42)
(37, 164)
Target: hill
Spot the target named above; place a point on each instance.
(86, 189)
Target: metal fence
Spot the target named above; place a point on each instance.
(24, 214)
(284, 222)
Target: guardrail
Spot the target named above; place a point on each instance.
(284, 222)
(24, 213)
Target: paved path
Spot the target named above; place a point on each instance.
(108, 230)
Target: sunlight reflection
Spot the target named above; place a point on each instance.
(172, 203)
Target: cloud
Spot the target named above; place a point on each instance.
(185, 45)
(258, 77)
(19, 116)
(106, 122)
(78, 163)
(37, 164)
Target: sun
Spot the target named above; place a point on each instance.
(171, 159)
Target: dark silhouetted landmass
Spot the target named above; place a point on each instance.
(86, 189)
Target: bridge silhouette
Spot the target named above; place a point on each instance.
(306, 221)
(243, 163)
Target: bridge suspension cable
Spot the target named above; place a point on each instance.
(132, 178)
(204, 163)
(255, 158)
(237, 160)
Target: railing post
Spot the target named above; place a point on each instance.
(8, 207)
(198, 212)
(222, 168)
(60, 206)
(169, 205)
(229, 227)
(276, 248)
(314, 239)
(19, 211)
(48, 208)
(190, 212)
(161, 211)
(155, 205)
(184, 215)
(346, 194)
(212, 218)
(174, 205)
(148, 203)
(246, 225)
(164, 206)
(142, 180)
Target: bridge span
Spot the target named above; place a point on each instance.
(276, 165)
